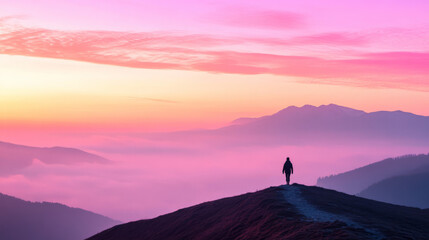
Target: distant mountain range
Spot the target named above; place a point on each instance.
(316, 125)
(14, 157)
(285, 212)
(332, 122)
(23, 220)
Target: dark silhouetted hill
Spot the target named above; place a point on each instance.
(355, 181)
(23, 220)
(285, 212)
(14, 157)
(407, 190)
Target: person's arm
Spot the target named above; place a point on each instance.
(291, 168)
(284, 166)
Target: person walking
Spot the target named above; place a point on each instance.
(288, 169)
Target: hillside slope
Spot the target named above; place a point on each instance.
(355, 181)
(407, 190)
(23, 220)
(295, 212)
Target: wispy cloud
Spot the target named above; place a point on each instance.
(336, 38)
(258, 18)
(160, 50)
(154, 99)
(391, 69)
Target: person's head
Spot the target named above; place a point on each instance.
(287, 159)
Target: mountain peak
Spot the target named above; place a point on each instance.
(333, 123)
(331, 109)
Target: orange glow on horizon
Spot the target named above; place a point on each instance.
(51, 94)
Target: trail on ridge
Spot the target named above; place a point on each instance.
(293, 195)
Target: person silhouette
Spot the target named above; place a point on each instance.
(288, 170)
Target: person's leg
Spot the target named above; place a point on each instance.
(287, 178)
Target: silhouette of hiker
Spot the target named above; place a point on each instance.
(288, 170)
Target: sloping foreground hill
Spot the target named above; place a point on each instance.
(355, 181)
(285, 212)
(23, 220)
(407, 190)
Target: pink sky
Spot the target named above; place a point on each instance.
(196, 56)
(75, 73)
(213, 47)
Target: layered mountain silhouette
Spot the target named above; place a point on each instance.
(407, 190)
(23, 220)
(357, 180)
(285, 212)
(14, 157)
(323, 124)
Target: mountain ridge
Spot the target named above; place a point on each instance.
(280, 213)
(331, 107)
(325, 124)
(14, 157)
(356, 180)
(405, 190)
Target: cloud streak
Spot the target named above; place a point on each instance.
(160, 50)
(257, 18)
(154, 100)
